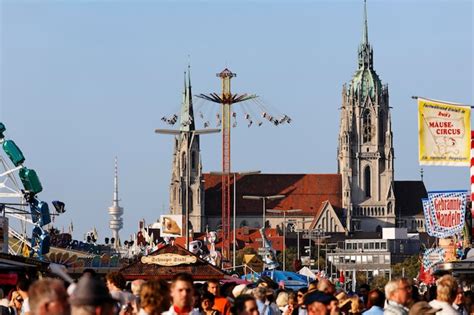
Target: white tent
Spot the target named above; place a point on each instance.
(305, 271)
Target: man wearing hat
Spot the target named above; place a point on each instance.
(317, 302)
(91, 297)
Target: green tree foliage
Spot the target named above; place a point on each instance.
(409, 268)
(291, 255)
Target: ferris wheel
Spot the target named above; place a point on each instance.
(23, 216)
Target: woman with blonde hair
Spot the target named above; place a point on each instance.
(154, 297)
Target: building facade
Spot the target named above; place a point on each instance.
(362, 196)
(186, 187)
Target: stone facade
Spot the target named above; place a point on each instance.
(187, 165)
(365, 151)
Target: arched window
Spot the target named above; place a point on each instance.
(193, 160)
(366, 127)
(198, 196)
(367, 187)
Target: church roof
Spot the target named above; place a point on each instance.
(408, 196)
(302, 191)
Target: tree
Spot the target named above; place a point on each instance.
(291, 255)
(408, 268)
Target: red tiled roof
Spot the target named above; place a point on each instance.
(303, 191)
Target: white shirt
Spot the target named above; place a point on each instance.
(446, 308)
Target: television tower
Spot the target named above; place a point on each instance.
(116, 212)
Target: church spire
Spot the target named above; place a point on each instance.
(365, 38)
(365, 50)
(187, 113)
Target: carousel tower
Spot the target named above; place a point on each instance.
(116, 212)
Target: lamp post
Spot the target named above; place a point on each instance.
(234, 207)
(189, 134)
(284, 228)
(264, 199)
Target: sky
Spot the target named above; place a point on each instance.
(84, 81)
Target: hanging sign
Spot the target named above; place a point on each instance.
(169, 259)
(444, 133)
(171, 225)
(432, 256)
(445, 213)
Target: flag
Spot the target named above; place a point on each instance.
(444, 133)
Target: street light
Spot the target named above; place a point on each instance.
(188, 133)
(234, 205)
(264, 199)
(284, 228)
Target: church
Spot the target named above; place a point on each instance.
(362, 196)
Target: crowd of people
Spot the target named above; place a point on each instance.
(92, 295)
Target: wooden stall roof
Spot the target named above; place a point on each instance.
(201, 270)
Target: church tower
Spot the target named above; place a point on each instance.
(365, 150)
(187, 167)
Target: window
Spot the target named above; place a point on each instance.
(383, 245)
(364, 259)
(367, 181)
(376, 259)
(371, 245)
(193, 160)
(360, 245)
(377, 245)
(183, 164)
(366, 127)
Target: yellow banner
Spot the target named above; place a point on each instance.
(444, 133)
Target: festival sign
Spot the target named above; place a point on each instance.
(169, 259)
(171, 225)
(447, 211)
(433, 256)
(444, 133)
(429, 224)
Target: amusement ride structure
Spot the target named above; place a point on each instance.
(20, 206)
(227, 118)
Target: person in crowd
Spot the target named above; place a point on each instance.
(48, 297)
(220, 303)
(154, 297)
(317, 303)
(265, 307)
(136, 286)
(446, 291)
(375, 302)
(245, 305)
(469, 301)
(207, 304)
(326, 286)
(364, 292)
(16, 302)
(182, 295)
(422, 308)
(357, 305)
(458, 303)
(22, 288)
(301, 308)
(282, 301)
(313, 285)
(91, 297)
(3, 300)
(398, 293)
(116, 285)
(292, 303)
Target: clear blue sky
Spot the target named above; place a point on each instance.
(84, 81)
